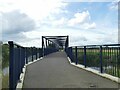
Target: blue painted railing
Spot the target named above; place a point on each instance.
(105, 58)
(19, 56)
(49, 50)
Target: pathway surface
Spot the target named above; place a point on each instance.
(54, 71)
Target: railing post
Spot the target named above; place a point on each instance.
(85, 56)
(76, 59)
(39, 52)
(24, 57)
(36, 53)
(21, 59)
(26, 52)
(19, 62)
(101, 65)
(42, 46)
(118, 62)
(11, 64)
(32, 53)
(70, 53)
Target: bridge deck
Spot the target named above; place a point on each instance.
(54, 71)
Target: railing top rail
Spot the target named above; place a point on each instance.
(13, 43)
(111, 45)
(97, 45)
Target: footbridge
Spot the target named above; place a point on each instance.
(56, 65)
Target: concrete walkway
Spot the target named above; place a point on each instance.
(54, 71)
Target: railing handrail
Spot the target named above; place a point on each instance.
(11, 42)
(97, 45)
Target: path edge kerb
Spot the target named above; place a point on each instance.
(104, 75)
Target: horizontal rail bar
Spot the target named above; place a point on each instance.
(98, 45)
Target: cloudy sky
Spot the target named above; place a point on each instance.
(25, 21)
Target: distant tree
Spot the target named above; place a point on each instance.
(5, 55)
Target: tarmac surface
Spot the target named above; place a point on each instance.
(54, 71)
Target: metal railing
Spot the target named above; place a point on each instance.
(105, 58)
(49, 50)
(19, 56)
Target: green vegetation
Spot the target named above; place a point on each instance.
(0, 59)
(5, 63)
(5, 81)
(5, 55)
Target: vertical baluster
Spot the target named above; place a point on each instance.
(106, 51)
(118, 68)
(85, 56)
(11, 67)
(115, 55)
(76, 54)
(101, 64)
(21, 59)
(19, 62)
(70, 53)
(36, 53)
(32, 53)
(114, 60)
(40, 53)
(110, 62)
(24, 57)
(26, 51)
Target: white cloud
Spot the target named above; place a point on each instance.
(114, 5)
(79, 18)
(59, 22)
(89, 26)
(83, 20)
(40, 11)
(36, 9)
(88, 0)
(15, 22)
(21, 16)
(76, 37)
